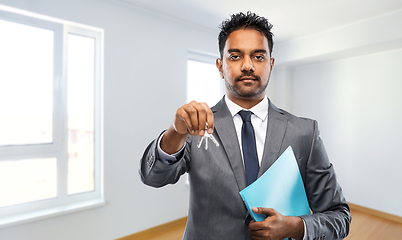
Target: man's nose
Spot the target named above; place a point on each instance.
(247, 64)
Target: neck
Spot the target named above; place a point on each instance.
(247, 102)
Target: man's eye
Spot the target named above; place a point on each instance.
(260, 58)
(234, 57)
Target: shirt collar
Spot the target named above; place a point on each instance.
(260, 110)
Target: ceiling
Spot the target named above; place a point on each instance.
(291, 18)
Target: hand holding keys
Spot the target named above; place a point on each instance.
(189, 120)
(206, 136)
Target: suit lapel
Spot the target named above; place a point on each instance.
(277, 123)
(225, 130)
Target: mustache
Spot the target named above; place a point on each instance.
(247, 74)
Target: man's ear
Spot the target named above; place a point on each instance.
(272, 63)
(219, 66)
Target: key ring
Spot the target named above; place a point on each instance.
(206, 136)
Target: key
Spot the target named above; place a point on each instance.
(206, 136)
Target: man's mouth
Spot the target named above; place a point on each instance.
(248, 79)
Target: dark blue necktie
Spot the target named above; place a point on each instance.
(249, 148)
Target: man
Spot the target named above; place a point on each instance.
(218, 174)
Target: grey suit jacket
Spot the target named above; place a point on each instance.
(217, 176)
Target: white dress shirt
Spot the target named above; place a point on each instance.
(259, 120)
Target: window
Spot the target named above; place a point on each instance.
(50, 121)
(204, 83)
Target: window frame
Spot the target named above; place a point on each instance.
(63, 203)
(32, 150)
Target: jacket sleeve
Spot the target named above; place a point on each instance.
(155, 173)
(330, 218)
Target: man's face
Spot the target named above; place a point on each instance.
(246, 65)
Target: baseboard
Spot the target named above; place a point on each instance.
(377, 213)
(155, 231)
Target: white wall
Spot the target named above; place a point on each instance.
(145, 82)
(358, 104)
(349, 80)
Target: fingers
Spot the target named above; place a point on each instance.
(276, 225)
(193, 117)
(269, 212)
(266, 211)
(210, 121)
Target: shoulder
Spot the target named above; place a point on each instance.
(302, 123)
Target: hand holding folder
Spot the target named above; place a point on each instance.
(280, 187)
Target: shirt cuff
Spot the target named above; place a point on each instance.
(166, 158)
(305, 231)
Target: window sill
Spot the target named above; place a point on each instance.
(50, 212)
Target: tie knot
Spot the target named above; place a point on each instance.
(245, 115)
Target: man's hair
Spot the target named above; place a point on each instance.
(241, 21)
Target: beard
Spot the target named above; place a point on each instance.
(246, 91)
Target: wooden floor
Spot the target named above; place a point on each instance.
(367, 226)
(364, 227)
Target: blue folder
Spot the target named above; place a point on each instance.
(280, 187)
